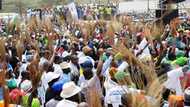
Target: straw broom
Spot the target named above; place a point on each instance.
(93, 98)
(20, 48)
(48, 25)
(35, 73)
(153, 81)
(134, 60)
(3, 72)
(33, 24)
(156, 31)
(174, 23)
(10, 26)
(2, 49)
(50, 44)
(5, 88)
(110, 33)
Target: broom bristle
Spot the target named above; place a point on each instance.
(153, 82)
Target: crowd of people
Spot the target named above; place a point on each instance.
(85, 12)
(120, 63)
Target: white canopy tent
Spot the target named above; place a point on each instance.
(138, 6)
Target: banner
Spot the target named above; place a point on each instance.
(73, 10)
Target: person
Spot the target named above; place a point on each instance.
(173, 76)
(33, 100)
(109, 83)
(70, 94)
(123, 85)
(121, 63)
(86, 54)
(66, 71)
(74, 68)
(90, 83)
(44, 83)
(54, 101)
(26, 87)
(51, 79)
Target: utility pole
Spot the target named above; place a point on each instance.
(19, 6)
(148, 5)
(1, 4)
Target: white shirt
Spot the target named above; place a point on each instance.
(173, 81)
(146, 51)
(66, 103)
(74, 69)
(123, 66)
(42, 89)
(57, 69)
(89, 86)
(114, 94)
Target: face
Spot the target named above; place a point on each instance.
(88, 74)
(74, 60)
(66, 71)
(90, 53)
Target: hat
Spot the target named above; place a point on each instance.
(187, 97)
(180, 30)
(11, 84)
(104, 57)
(181, 61)
(170, 40)
(66, 103)
(10, 36)
(57, 86)
(15, 93)
(139, 34)
(91, 45)
(35, 102)
(118, 56)
(26, 86)
(180, 45)
(64, 65)
(120, 75)
(86, 49)
(51, 76)
(69, 89)
(109, 50)
(180, 53)
(87, 64)
(112, 71)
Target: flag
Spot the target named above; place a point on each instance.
(73, 10)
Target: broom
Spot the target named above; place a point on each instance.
(3, 72)
(146, 70)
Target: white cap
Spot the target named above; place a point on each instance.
(51, 76)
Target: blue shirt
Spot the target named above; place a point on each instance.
(1, 93)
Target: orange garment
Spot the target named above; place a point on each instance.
(2, 104)
(175, 101)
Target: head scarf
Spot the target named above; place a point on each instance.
(120, 75)
(118, 56)
(11, 84)
(112, 72)
(181, 61)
